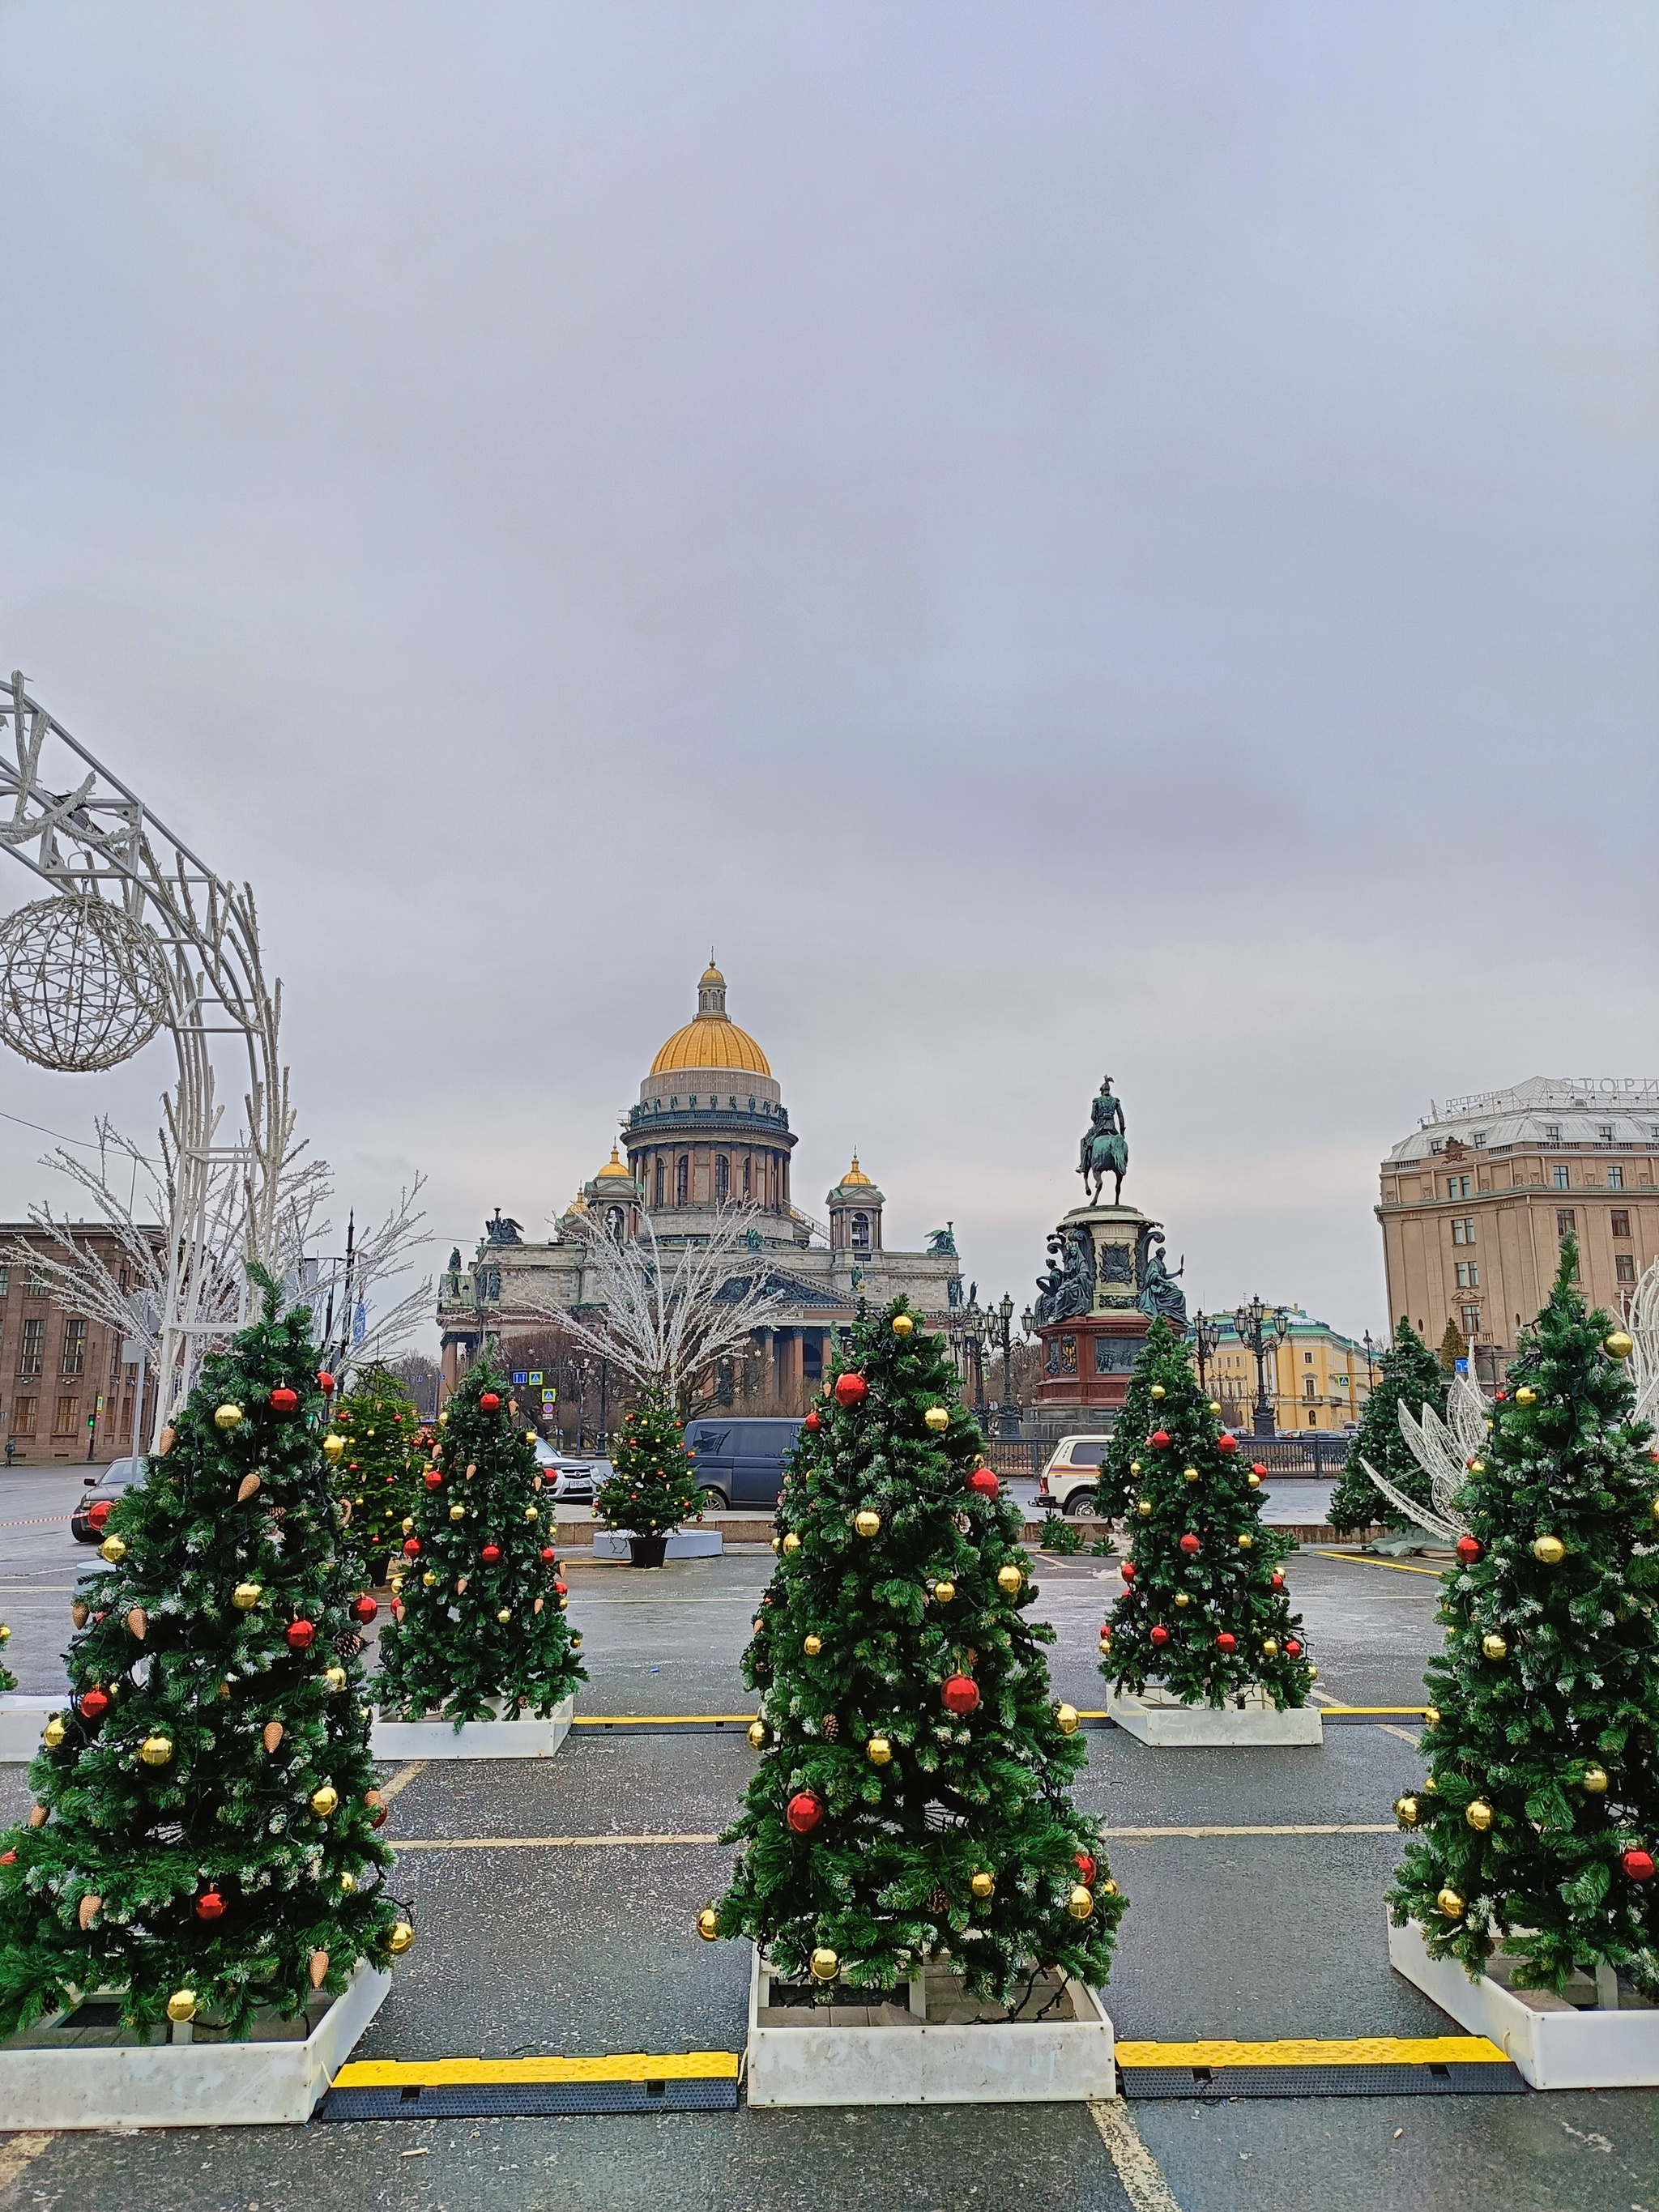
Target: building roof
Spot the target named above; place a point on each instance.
(613, 1171)
(854, 1174)
(1544, 1109)
(711, 1041)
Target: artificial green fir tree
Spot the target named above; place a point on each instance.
(655, 1486)
(1537, 1827)
(479, 1628)
(203, 1839)
(913, 1793)
(378, 1467)
(1454, 1346)
(1204, 1609)
(1409, 1372)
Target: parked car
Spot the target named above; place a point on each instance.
(740, 1461)
(1072, 1476)
(573, 1480)
(102, 1489)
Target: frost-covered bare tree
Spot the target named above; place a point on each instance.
(670, 1315)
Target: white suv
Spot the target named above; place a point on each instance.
(1072, 1476)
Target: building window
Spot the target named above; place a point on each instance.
(722, 1179)
(862, 1232)
(1471, 1322)
(22, 1420)
(1468, 1275)
(657, 1182)
(1563, 1176)
(67, 1410)
(1605, 1133)
(1457, 1186)
(5, 1281)
(1566, 1220)
(1479, 1140)
(682, 1178)
(75, 1347)
(1463, 1229)
(1307, 1385)
(1615, 1178)
(748, 1178)
(1619, 1218)
(1552, 1133)
(32, 1353)
(1623, 1267)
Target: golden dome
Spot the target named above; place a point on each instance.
(711, 1041)
(613, 1171)
(855, 1174)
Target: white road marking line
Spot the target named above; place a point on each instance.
(594, 1843)
(1137, 2169)
(18, 2155)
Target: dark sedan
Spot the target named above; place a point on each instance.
(92, 1507)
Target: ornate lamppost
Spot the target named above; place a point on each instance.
(998, 1337)
(1262, 1329)
(1371, 1364)
(1207, 1335)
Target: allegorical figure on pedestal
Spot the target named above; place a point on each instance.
(1105, 1146)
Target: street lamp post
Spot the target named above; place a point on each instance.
(1370, 1364)
(1207, 1334)
(1263, 1329)
(999, 1337)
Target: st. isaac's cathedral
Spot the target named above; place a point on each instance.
(710, 1131)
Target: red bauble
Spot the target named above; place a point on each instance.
(98, 1513)
(325, 1384)
(491, 1554)
(1278, 1581)
(209, 1905)
(983, 1483)
(549, 1555)
(851, 1389)
(1159, 1440)
(1226, 1643)
(378, 1818)
(1638, 1865)
(813, 1422)
(1127, 1570)
(1226, 1443)
(94, 1705)
(434, 1479)
(412, 1548)
(1468, 1550)
(806, 1812)
(961, 1694)
(1160, 1637)
(364, 1608)
(1189, 1544)
(561, 1589)
(1292, 1649)
(299, 1636)
(1257, 1468)
(284, 1401)
(489, 1402)
(1084, 1864)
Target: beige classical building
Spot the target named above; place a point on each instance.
(1475, 1202)
(1318, 1378)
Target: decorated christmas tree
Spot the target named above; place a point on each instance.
(1407, 1371)
(478, 1627)
(653, 1487)
(377, 1469)
(1536, 1829)
(203, 1839)
(913, 1793)
(1203, 1610)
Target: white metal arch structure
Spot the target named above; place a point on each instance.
(81, 829)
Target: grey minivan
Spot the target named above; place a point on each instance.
(739, 1461)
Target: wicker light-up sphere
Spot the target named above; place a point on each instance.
(81, 987)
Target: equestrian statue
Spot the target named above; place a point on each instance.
(1105, 1146)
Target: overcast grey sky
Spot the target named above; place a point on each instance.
(1054, 535)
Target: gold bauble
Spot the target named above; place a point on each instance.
(227, 1417)
(1105, 1647)
(1108, 1889)
(945, 1592)
(938, 1418)
(348, 1885)
(709, 1924)
(1081, 1902)
(1493, 1646)
(791, 1543)
(1065, 1719)
(1478, 1814)
(1254, 1480)
(533, 1513)
(867, 1523)
(156, 1750)
(1477, 1466)
(401, 1937)
(1656, 1508)
(1144, 1507)
(1313, 1673)
(1134, 1466)
(334, 1447)
(1550, 1550)
(1405, 1811)
(1215, 1404)
(1009, 1580)
(824, 1964)
(758, 1735)
(395, 1583)
(324, 1800)
(505, 1615)
(1430, 1787)
(1181, 1598)
(182, 2005)
(1526, 1395)
(777, 1544)
(1157, 1391)
(113, 1549)
(1620, 1344)
(1190, 1474)
(878, 1751)
(53, 1733)
(443, 1421)
(246, 1596)
(408, 1524)
(428, 1580)
(1270, 1649)
(1450, 1903)
(1595, 1780)
(458, 1512)
(811, 1645)
(1430, 1716)
(984, 1884)
(903, 1325)
(1246, 1541)
(336, 1678)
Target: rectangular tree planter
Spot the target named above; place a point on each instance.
(1554, 2043)
(21, 1720)
(440, 1738)
(683, 1544)
(1201, 1727)
(57, 2075)
(887, 2054)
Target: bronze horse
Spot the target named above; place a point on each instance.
(1105, 1146)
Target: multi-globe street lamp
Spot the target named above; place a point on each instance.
(1207, 1334)
(1263, 1329)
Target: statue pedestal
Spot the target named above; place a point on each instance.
(1088, 1357)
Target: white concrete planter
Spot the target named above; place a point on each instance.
(54, 2078)
(1175, 1727)
(883, 2055)
(683, 1544)
(498, 1739)
(1553, 2043)
(21, 1720)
